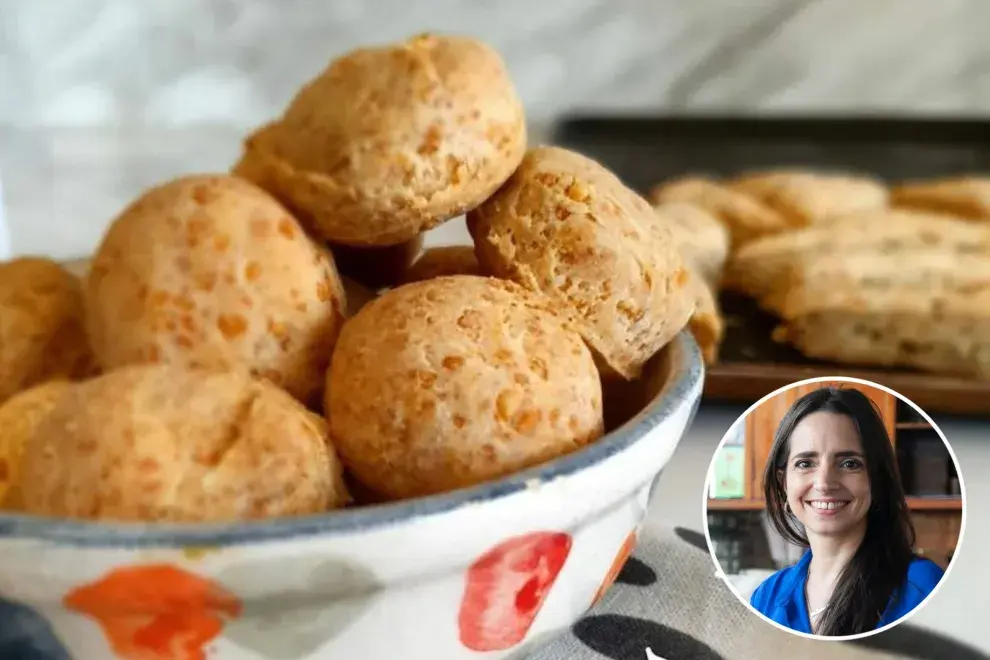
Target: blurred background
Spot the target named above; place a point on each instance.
(100, 98)
(749, 550)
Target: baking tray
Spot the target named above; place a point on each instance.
(645, 150)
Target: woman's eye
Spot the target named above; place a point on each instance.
(802, 464)
(852, 464)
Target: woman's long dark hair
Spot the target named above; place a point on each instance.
(879, 567)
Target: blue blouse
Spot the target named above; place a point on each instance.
(780, 597)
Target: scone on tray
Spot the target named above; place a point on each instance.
(896, 326)
(965, 196)
(746, 218)
(864, 276)
(703, 239)
(764, 266)
(806, 197)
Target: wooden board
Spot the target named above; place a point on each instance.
(643, 151)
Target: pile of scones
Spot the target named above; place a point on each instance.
(276, 341)
(273, 341)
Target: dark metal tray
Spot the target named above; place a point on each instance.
(646, 150)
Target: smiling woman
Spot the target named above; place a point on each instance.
(832, 485)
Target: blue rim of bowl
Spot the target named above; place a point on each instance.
(685, 372)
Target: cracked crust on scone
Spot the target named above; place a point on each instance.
(746, 218)
(443, 261)
(806, 197)
(967, 197)
(391, 141)
(567, 227)
(161, 443)
(20, 417)
(458, 380)
(701, 237)
(212, 271)
(42, 325)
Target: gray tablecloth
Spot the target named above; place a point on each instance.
(669, 600)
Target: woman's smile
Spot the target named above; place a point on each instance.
(830, 507)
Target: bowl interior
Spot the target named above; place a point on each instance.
(668, 381)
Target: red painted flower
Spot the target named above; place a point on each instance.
(156, 612)
(506, 588)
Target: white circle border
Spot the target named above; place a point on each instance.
(742, 420)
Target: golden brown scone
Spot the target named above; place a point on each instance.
(377, 267)
(903, 324)
(804, 197)
(967, 197)
(931, 271)
(441, 261)
(358, 295)
(702, 238)
(766, 265)
(746, 218)
(212, 271)
(706, 324)
(566, 226)
(42, 328)
(458, 380)
(20, 417)
(162, 443)
(391, 141)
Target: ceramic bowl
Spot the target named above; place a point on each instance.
(486, 571)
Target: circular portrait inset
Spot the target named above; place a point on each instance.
(834, 508)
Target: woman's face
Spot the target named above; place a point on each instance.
(826, 481)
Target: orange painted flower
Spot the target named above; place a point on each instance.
(620, 560)
(156, 612)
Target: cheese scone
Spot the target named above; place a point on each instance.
(457, 380)
(746, 217)
(765, 265)
(966, 196)
(567, 227)
(390, 141)
(806, 197)
(163, 443)
(212, 271)
(898, 325)
(42, 325)
(703, 240)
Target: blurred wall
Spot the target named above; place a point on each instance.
(236, 62)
